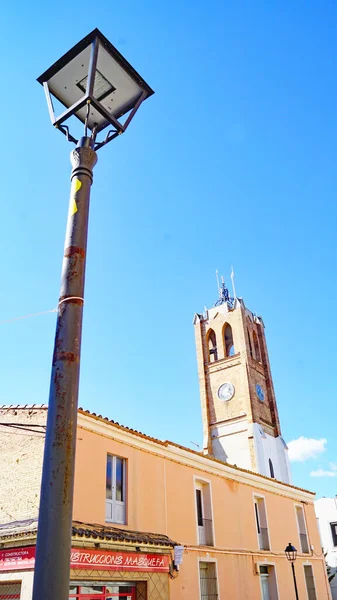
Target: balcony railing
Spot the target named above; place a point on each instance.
(304, 543)
(264, 539)
(206, 533)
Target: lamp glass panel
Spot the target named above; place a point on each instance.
(64, 84)
(126, 92)
(102, 87)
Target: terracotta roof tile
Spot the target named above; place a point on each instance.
(93, 531)
(116, 534)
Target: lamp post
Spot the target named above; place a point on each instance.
(291, 554)
(95, 83)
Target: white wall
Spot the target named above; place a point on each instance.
(326, 512)
(26, 579)
(230, 443)
(275, 449)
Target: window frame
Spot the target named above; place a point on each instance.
(268, 564)
(257, 519)
(250, 347)
(296, 506)
(212, 353)
(308, 564)
(224, 328)
(203, 559)
(104, 595)
(198, 484)
(333, 533)
(113, 501)
(256, 347)
(199, 505)
(10, 582)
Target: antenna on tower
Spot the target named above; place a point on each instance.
(223, 292)
(217, 281)
(195, 444)
(233, 286)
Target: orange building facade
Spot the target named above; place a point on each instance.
(137, 498)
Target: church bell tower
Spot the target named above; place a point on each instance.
(239, 412)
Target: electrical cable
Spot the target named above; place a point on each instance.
(21, 428)
(44, 312)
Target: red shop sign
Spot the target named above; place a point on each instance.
(17, 558)
(14, 559)
(104, 560)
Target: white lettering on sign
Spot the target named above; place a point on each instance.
(129, 561)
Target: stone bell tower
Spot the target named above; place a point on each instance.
(239, 412)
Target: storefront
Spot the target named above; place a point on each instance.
(134, 570)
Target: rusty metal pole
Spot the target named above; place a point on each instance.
(52, 564)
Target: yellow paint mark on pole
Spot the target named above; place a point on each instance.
(75, 186)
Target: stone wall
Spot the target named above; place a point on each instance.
(22, 434)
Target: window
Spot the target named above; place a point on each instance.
(261, 523)
(118, 590)
(204, 513)
(228, 340)
(334, 533)
(256, 347)
(208, 581)
(199, 507)
(268, 582)
(212, 349)
(115, 489)
(10, 590)
(310, 582)
(249, 344)
(271, 469)
(302, 532)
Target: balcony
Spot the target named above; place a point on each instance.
(264, 539)
(205, 532)
(304, 543)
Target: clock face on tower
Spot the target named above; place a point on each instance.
(226, 391)
(259, 392)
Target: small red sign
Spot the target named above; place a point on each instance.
(17, 559)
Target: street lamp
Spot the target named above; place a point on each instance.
(291, 554)
(95, 83)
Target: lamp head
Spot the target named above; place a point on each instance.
(291, 552)
(95, 83)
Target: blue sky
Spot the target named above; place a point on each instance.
(233, 161)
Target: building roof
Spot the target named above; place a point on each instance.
(90, 531)
(164, 443)
(115, 534)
